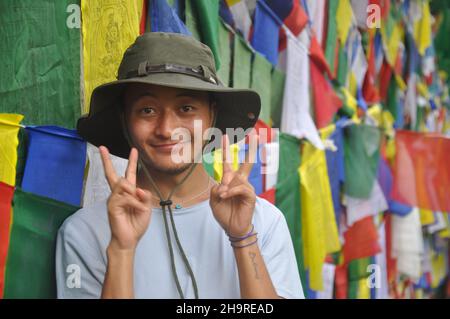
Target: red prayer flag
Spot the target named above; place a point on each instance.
(317, 55)
(269, 195)
(370, 91)
(295, 21)
(361, 240)
(391, 262)
(421, 170)
(326, 101)
(385, 78)
(6, 195)
(341, 282)
(143, 17)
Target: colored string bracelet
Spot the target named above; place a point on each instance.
(243, 246)
(238, 239)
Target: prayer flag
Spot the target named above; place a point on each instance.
(55, 164)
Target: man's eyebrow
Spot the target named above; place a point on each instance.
(182, 94)
(146, 94)
(188, 94)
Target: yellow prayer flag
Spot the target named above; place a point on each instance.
(9, 130)
(326, 132)
(388, 123)
(401, 83)
(320, 234)
(344, 20)
(422, 29)
(426, 217)
(352, 103)
(217, 165)
(109, 28)
(352, 84)
(392, 44)
(438, 268)
(363, 289)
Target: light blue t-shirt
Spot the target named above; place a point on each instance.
(84, 237)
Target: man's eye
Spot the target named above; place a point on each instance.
(147, 110)
(186, 108)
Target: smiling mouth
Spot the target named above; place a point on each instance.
(167, 147)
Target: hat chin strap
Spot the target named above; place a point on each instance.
(168, 203)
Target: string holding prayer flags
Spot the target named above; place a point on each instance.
(55, 164)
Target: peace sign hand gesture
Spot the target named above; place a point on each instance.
(129, 207)
(233, 200)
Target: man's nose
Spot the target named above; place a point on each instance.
(166, 124)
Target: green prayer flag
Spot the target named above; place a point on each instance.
(278, 80)
(331, 42)
(225, 53)
(40, 64)
(342, 72)
(242, 62)
(191, 18)
(208, 163)
(289, 156)
(208, 22)
(261, 83)
(362, 153)
(353, 288)
(420, 118)
(357, 268)
(30, 266)
(287, 195)
(391, 101)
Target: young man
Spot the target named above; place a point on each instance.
(168, 230)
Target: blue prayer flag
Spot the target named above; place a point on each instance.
(266, 32)
(163, 18)
(55, 164)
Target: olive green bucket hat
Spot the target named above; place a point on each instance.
(166, 59)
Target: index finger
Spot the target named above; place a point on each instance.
(250, 155)
(108, 167)
(130, 173)
(226, 160)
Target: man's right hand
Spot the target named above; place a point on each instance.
(129, 207)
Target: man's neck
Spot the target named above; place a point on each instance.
(194, 184)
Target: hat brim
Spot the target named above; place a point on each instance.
(237, 108)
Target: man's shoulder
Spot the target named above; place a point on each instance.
(267, 215)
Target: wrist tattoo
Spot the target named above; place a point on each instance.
(255, 265)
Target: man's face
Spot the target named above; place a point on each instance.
(154, 113)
